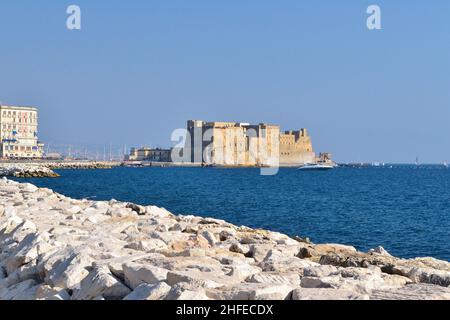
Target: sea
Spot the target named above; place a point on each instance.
(404, 208)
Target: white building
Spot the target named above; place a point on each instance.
(18, 132)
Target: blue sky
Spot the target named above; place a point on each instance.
(139, 69)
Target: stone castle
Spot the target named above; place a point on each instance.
(244, 144)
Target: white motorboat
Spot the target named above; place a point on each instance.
(316, 166)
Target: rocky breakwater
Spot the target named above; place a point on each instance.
(26, 171)
(58, 248)
(82, 164)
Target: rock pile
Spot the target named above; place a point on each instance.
(82, 164)
(57, 248)
(26, 171)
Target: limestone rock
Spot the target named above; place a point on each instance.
(145, 291)
(147, 245)
(432, 276)
(251, 291)
(28, 250)
(136, 274)
(210, 237)
(181, 292)
(291, 279)
(65, 268)
(227, 234)
(25, 272)
(238, 248)
(412, 292)
(320, 271)
(327, 294)
(243, 270)
(194, 278)
(73, 210)
(140, 210)
(45, 292)
(100, 282)
(21, 291)
(379, 250)
(276, 261)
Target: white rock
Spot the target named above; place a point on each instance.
(194, 278)
(276, 278)
(59, 296)
(25, 272)
(22, 291)
(236, 247)
(45, 292)
(157, 291)
(379, 250)
(28, 250)
(251, 291)
(66, 268)
(276, 261)
(119, 212)
(243, 270)
(157, 212)
(73, 210)
(227, 234)
(412, 292)
(326, 294)
(28, 187)
(136, 274)
(259, 251)
(147, 245)
(16, 229)
(210, 237)
(179, 292)
(320, 271)
(431, 276)
(100, 282)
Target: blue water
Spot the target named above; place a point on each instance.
(405, 209)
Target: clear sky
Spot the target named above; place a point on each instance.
(139, 69)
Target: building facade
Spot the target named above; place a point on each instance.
(243, 144)
(231, 144)
(296, 148)
(149, 154)
(236, 144)
(18, 131)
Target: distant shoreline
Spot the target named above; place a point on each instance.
(94, 164)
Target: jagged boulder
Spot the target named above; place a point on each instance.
(145, 291)
(101, 282)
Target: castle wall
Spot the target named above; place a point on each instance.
(241, 144)
(296, 148)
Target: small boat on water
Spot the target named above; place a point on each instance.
(316, 166)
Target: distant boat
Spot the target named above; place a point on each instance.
(316, 166)
(445, 164)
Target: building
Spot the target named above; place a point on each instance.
(18, 131)
(243, 144)
(236, 144)
(296, 148)
(149, 154)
